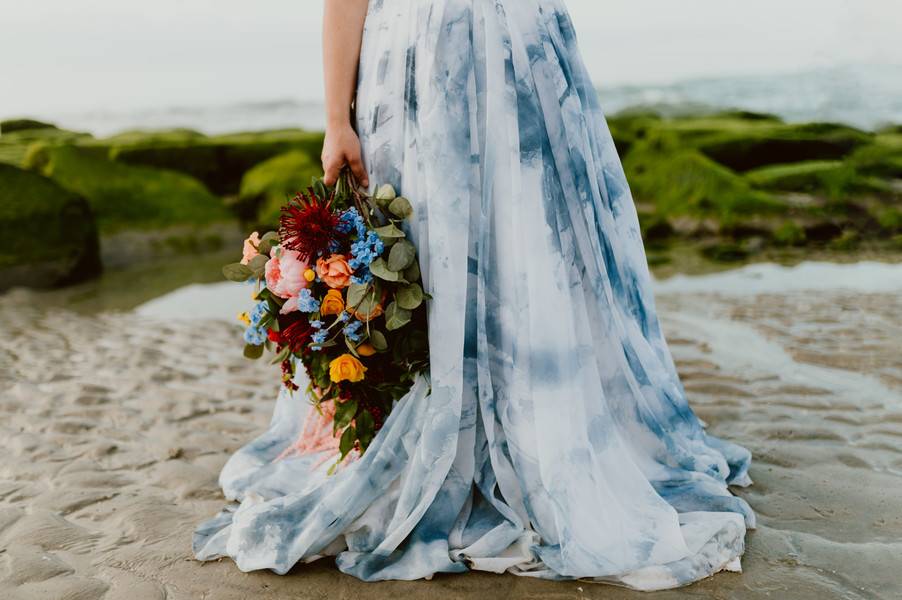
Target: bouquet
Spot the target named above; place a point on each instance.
(338, 293)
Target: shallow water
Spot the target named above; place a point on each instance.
(116, 423)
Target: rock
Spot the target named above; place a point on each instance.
(267, 186)
(832, 178)
(748, 149)
(219, 162)
(128, 197)
(48, 236)
(12, 125)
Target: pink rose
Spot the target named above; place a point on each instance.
(250, 248)
(335, 271)
(285, 273)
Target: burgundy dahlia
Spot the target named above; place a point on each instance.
(308, 225)
(297, 335)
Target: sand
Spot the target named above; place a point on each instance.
(115, 426)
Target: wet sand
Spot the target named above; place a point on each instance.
(115, 427)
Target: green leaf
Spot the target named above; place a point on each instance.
(368, 305)
(319, 188)
(347, 441)
(396, 317)
(389, 232)
(253, 352)
(402, 255)
(344, 412)
(409, 296)
(401, 208)
(282, 355)
(351, 347)
(381, 270)
(356, 293)
(385, 193)
(366, 429)
(237, 272)
(412, 273)
(377, 339)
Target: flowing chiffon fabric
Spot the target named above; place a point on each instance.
(553, 437)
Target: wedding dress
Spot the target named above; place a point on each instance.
(553, 436)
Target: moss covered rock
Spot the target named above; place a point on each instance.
(219, 162)
(47, 234)
(123, 196)
(753, 147)
(12, 125)
(833, 178)
(684, 182)
(267, 186)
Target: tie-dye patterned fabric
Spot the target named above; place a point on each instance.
(553, 438)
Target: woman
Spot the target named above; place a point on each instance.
(555, 439)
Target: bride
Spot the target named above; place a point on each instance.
(553, 437)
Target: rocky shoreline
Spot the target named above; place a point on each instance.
(726, 187)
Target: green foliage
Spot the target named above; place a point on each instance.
(789, 234)
(124, 196)
(269, 185)
(49, 235)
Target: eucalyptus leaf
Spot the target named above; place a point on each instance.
(351, 347)
(281, 356)
(402, 255)
(385, 193)
(356, 293)
(270, 236)
(412, 273)
(258, 264)
(367, 305)
(253, 352)
(389, 232)
(396, 317)
(377, 339)
(400, 207)
(379, 269)
(237, 272)
(410, 296)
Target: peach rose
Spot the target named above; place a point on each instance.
(332, 304)
(285, 273)
(250, 248)
(366, 317)
(335, 271)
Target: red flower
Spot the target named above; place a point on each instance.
(274, 336)
(297, 335)
(308, 225)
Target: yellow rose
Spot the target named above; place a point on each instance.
(346, 368)
(366, 349)
(333, 303)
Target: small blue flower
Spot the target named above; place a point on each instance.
(317, 324)
(344, 317)
(260, 311)
(320, 336)
(306, 302)
(254, 336)
(351, 331)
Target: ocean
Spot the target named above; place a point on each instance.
(864, 96)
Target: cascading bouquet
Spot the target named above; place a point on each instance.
(338, 290)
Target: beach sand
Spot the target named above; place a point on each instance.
(116, 425)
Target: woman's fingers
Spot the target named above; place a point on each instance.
(358, 170)
(331, 169)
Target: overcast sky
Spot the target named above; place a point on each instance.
(122, 54)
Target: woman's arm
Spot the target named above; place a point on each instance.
(342, 35)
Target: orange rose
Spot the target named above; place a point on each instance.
(346, 368)
(335, 271)
(376, 312)
(366, 349)
(332, 304)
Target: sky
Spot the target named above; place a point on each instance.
(76, 55)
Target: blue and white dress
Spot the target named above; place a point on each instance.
(553, 438)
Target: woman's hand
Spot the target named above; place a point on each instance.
(342, 147)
